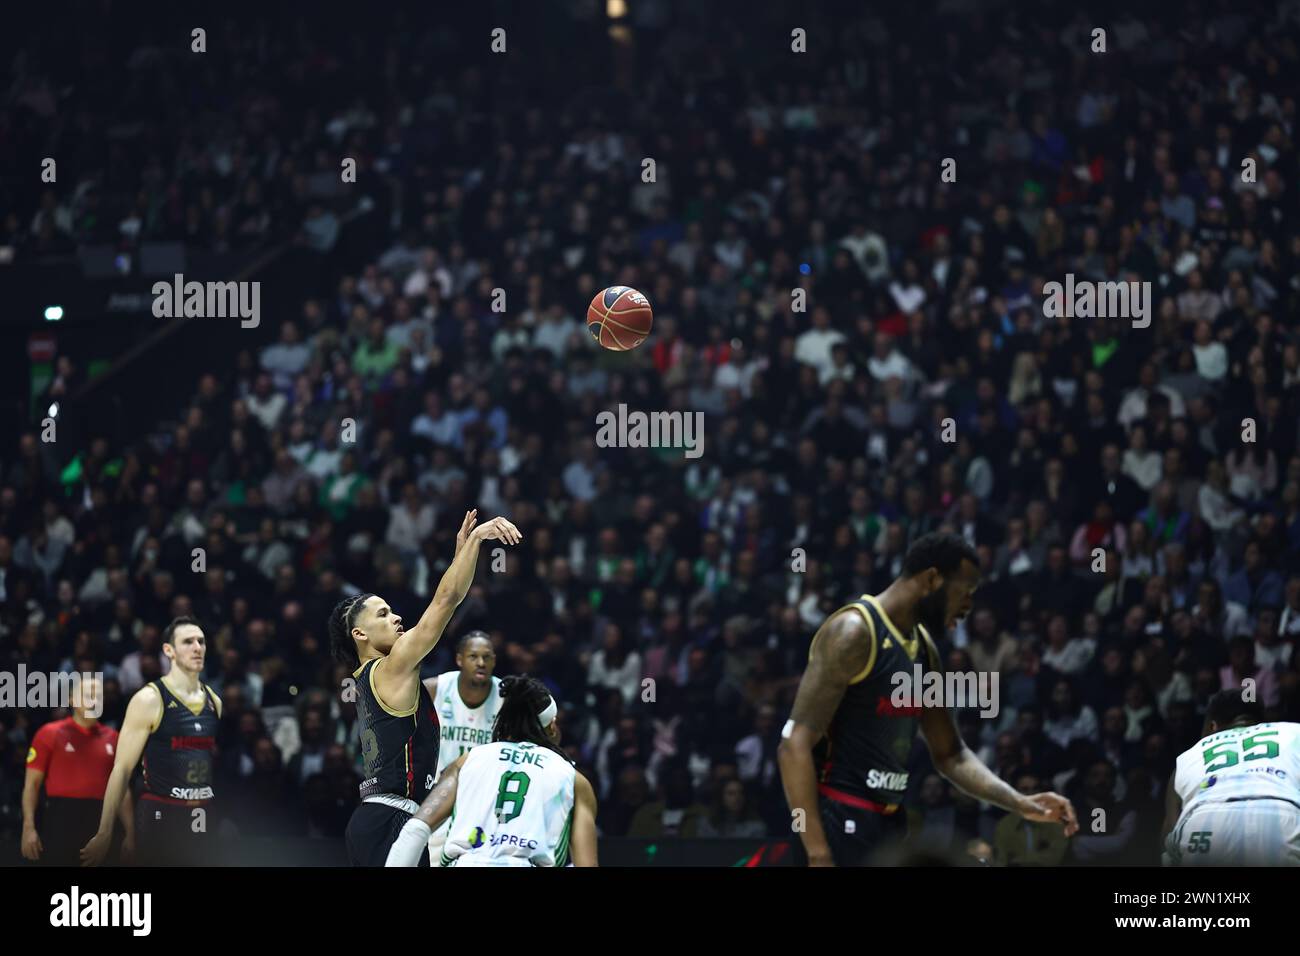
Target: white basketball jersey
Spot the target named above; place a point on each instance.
(1242, 763)
(514, 807)
(462, 728)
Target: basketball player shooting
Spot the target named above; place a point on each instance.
(398, 726)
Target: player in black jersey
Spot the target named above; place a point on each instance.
(843, 754)
(395, 710)
(171, 722)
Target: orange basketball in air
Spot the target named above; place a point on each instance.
(619, 318)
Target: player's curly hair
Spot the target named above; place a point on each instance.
(522, 699)
(342, 619)
(941, 550)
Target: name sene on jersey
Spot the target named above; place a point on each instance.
(522, 756)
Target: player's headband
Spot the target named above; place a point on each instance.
(548, 715)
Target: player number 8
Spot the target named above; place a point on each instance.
(513, 797)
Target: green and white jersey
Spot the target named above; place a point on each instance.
(514, 807)
(1242, 763)
(460, 727)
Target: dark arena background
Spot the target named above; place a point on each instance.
(1022, 272)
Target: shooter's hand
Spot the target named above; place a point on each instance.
(498, 529)
(466, 527)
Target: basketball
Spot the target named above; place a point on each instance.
(619, 318)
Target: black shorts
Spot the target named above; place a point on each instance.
(371, 832)
(857, 835)
(172, 834)
(66, 825)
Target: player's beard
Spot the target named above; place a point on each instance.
(932, 613)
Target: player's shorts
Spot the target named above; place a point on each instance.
(857, 835)
(1257, 832)
(171, 833)
(371, 833)
(488, 859)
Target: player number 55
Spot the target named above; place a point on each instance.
(1258, 746)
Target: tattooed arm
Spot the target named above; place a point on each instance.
(840, 649)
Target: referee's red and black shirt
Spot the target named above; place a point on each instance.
(76, 760)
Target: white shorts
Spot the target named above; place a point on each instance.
(1257, 832)
(487, 859)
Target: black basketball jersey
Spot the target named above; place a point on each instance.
(178, 755)
(399, 748)
(863, 758)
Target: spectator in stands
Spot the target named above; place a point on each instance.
(731, 815)
(1018, 842)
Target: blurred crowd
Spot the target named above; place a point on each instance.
(1139, 539)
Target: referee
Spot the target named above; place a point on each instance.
(72, 758)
